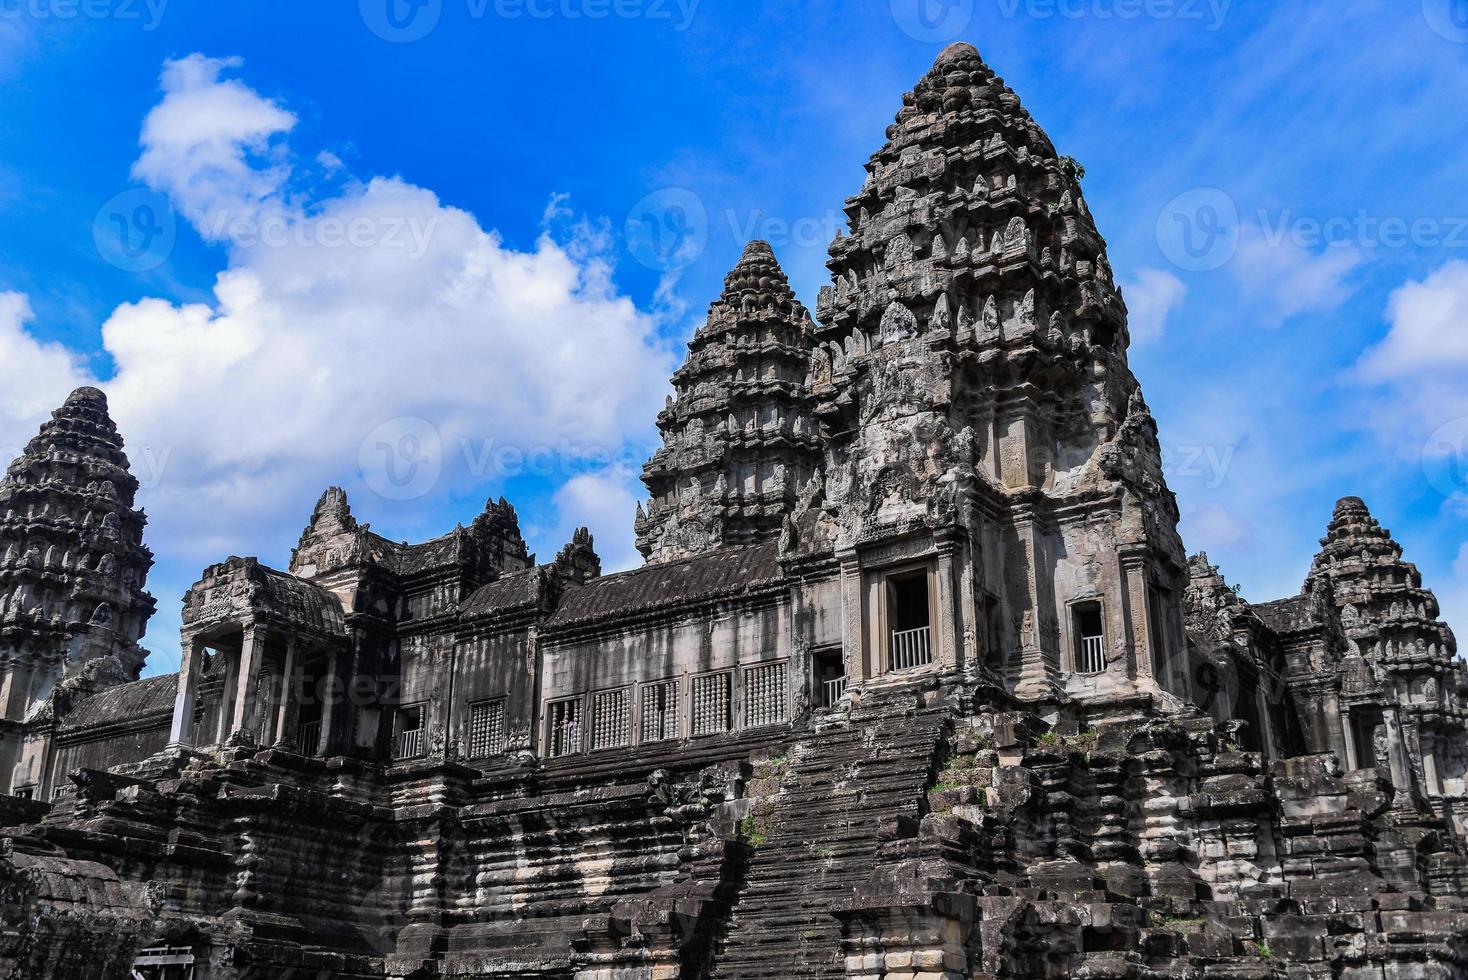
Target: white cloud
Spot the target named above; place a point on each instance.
(1150, 298)
(606, 503)
(1289, 279)
(34, 377)
(1419, 377)
(210, 145)
(371, 328)
(1429, 328)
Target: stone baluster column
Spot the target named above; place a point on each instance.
(180, 733)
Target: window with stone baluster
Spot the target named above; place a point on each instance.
(563, 727)
(766, 698)
(659, 711)
(486, 729)
(711, 704)
(609, 721)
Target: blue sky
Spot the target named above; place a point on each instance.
(451, 249)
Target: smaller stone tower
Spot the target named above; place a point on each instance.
(1404, 656)
(739, 440)
(72, 571)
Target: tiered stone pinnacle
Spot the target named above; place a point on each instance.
(976, 279)
(72, 560)
(1392, 623)
(739, 442)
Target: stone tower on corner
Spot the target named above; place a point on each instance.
(739, 440)
(72, 570)
(1400, 658)
(971, 377)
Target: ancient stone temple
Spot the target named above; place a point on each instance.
(740, 439)
(918, 681)
(72, 571)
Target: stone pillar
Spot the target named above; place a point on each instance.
(1039, 667)
(1396, 750)
(1136, 614)
(227, 698)
(947, 655)
(246, 679)
(285, 707)
(180, 733)
(1348, 735)
(852, 619)
(331, 697)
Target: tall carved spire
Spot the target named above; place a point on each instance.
(72, 560)
(974, 290)
(739, 442)
(973, 346)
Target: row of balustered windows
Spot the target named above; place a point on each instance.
(765, 695)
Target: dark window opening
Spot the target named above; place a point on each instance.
(830, 678)
(1089, 636)
(408, 732)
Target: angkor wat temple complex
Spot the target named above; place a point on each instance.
(918, 680)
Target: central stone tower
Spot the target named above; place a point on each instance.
(971, 377)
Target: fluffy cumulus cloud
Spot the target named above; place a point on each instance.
(1150, 298)
(604, 502)
(32, 374)
(369, 335)
(1418, 375)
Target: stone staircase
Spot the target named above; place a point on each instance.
(820, 840)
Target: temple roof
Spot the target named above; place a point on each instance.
(513, 590)
(724, 574)
(125, 702)
(243, 589)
